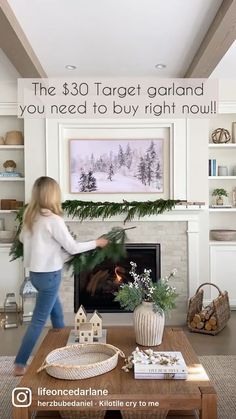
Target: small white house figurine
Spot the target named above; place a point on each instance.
(80, 318)
(86, 333)
(96, 321)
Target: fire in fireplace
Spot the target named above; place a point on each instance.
(95, 289)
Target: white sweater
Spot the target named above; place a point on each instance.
(43, 246)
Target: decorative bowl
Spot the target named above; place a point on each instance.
(223, 235)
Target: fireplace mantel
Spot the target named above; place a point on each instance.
(188, 215)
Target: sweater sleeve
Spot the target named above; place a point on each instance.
(61, 234)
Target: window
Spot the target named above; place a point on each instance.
(89, 334)
(95, 332)
(86, 339)
(82, 333)
(82, 320)
(98, 324)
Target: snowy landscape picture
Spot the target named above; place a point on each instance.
(116, 166)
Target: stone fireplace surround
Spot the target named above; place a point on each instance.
(177, 231)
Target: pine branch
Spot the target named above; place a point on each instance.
(114, 251)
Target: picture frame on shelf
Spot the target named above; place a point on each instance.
(117, 165)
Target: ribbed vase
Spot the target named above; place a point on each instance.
(148, 325)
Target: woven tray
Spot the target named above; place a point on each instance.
(81, 361)
(220, 306)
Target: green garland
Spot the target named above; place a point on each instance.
(90, 210)
(114, 251)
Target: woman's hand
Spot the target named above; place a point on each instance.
(101, 242)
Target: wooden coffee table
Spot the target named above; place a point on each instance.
(168, 398)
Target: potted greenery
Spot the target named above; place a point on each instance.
(149, 301)
(219, 193)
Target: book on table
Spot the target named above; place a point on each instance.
(165, 366)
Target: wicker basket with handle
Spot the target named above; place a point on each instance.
(81, 361)
(220, 310)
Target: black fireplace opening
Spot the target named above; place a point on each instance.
(95, 289)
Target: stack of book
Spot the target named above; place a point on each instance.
(10, 174)
(159, 365)
(212, 167)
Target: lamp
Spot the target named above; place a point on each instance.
(28, 294)
(10, 311)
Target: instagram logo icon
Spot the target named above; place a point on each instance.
(21, 397)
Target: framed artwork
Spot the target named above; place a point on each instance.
(116, 166)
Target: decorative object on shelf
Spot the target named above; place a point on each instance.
(219, 193)
(149, 301)
(223, 171)
(81, 361)
(9, 165)
(14, 138)
(212, 318)
(1, 140)
(11, 204)
(212, 167)
(28, 295)
(234, 132)
(221, 136)
(223, 235)
(11, 311)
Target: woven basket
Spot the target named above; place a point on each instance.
(14, 138)
(81, 361)
(220, 305)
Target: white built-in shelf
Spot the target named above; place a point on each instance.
(222, 243)
(12, 179)
(8, 245)
(7, 211)
(222, 209)
(221, 177)
(11, 147)
(225, 145)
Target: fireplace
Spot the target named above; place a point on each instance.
(95, 289)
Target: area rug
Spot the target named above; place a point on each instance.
(220, 369)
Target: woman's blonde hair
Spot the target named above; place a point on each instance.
(46, 193)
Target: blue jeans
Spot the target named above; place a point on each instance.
(47, 304)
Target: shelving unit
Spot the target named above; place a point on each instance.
(10, 188)
(222, 254)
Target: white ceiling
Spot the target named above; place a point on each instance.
(115, 37)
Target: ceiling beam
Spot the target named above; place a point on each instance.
(220, 36)
(16, 46)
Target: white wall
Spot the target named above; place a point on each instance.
(8, 79)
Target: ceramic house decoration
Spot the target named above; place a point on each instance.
(86, 333)
(96, 321)
(80, 318)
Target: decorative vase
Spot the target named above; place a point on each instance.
(219, 201)
(148, 325)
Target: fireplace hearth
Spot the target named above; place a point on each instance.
(95, 289)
